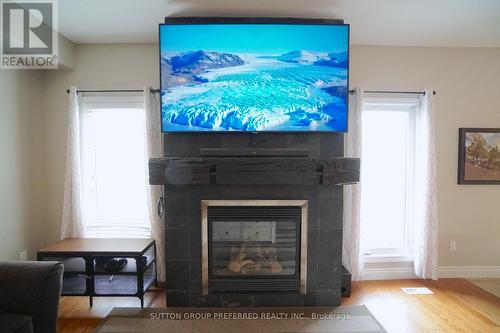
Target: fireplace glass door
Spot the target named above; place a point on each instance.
(254, 248)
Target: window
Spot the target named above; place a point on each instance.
(387, 175)
(114, 174)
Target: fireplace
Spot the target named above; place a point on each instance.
(253, 230)
(254, 246)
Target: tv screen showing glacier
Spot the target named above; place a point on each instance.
(254, 77)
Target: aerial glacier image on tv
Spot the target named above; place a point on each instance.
(253, 77)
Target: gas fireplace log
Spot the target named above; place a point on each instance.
(238, 266)
(265, 260)
(253, 268)
(268, 257)
(239, 259)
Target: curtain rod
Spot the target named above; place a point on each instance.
(393, 92)
(154, 91)
(350, 91)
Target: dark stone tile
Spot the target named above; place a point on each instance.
(312, 273)
(195, 221)
(269, 300)
(241, 139)
(328, 298)
(330, 191)
(177, 210)
(195, 243)
(332, 145)
(195, 211)
(177, 298)
(324, 245)
(197, 299)
(314, 213)
(177, 275)
(196, 194)
(177, 244)
(294, 300)
(330, 244)
(312, 244)
(330, 213)
(195, 275)
(181, 144)
(346, 282)
(329, 275)
(238, 300)
(310, 298)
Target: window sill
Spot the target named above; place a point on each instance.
(388, 257)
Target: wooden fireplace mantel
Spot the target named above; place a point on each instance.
(184, 171)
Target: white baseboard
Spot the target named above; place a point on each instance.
(393, 273)
(469, 272)
(396, 273)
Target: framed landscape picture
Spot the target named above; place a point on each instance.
(479, 156)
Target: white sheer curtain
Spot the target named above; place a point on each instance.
(426, 215)
(154, 148)
(352, 254)
(72, 221)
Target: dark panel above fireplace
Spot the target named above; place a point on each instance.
(314, 145)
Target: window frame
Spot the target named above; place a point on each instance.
(398, 103)
(94, 101)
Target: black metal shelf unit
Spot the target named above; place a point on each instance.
(83, 276)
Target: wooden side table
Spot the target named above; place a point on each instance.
(83, 276)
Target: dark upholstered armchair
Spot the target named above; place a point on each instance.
(29, 296)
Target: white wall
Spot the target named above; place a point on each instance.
(127, 66)
(23, 185)
(468, 85)
(20, 148)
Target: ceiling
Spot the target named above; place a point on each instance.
(459, 23)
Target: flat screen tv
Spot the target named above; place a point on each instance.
(254, 75)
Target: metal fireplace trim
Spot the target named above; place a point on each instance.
(303, 204)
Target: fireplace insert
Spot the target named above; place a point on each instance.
(254, 246)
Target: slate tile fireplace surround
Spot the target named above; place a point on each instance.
(253, 231)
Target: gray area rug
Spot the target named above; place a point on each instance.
(342, 319)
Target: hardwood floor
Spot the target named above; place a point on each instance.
(75, 315)
(457, 305)
(490, 285)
